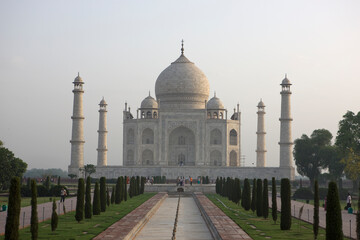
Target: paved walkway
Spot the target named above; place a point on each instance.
(308, 213)
(226, 227)
(44, 213)
(126, 227)
(190, 226)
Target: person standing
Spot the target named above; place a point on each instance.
(190, 181)
(62, 195)
(348, 201)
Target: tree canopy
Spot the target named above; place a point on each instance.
(312, 153)
(348, 141)
(11, 166)
(89, 169)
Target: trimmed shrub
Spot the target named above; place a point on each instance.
(285, 222)
(122, 190)
(303, 193)
(54, 217)
(102, 194)
(88, 213)
(246, 195)
(265, 199)
(34, 225)
(42, 191)
(47, 183)
(322, 193)
(259, 198)
(273, 201)
(96, 200)
(125, 188)
(25, 191)
(107, 197)
(253, 196)
(316, 210)
(137, 191)
(118, 191)
(79, 215)
(13, 214)
(333, 214)
(220, 186)
(112, 195)
(142, 186)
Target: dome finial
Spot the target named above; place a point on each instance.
(78, 74)
(285, 75)
(214, 93)
(182, 47)
(149, 93)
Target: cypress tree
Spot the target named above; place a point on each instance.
(96, 200)
(79, 215)
(217, 185)
(122, 190)
(103, 194)
(259, 198)
(137, 185)
(253, 199)
(34, 228)
(273, 201)
(265, 199)
(223, 187)
(247, 195)
(107, 197)
(28, 183)
(47, 183)
(88, 212)
(142, 188)
(13, 214)
(59, 181)
(237, 190)
(333, 214)
(112, 195)
(125, 188)
(285, 222)
(118, 192)
(358, 217)
(220, 186)
(316, 210)
(207, 179)
(54, 217)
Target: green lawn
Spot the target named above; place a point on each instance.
(26, 200)
(259, 228)
(69, 229)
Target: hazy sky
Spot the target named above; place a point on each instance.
(120, 47)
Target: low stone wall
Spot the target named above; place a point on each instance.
(205, 188)
(196, 171)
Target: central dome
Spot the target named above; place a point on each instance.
(182, 85)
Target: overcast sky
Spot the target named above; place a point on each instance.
(120, 47)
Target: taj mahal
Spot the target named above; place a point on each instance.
(181, 132)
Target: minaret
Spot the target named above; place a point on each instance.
(77, 139)
(260, 150)
(102, 141)
(286, 157)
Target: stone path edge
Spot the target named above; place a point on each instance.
(215, 234)
(141, 224)
(218, 230)
(108, 234)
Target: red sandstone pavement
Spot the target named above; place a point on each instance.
(44, 213)
(129, 223)
(227, 228)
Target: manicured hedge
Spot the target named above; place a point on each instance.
(303, 193)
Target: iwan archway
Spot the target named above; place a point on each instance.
(181, 147)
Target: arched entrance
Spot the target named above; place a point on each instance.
(181, 147)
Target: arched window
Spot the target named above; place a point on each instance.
(155, 114)
(148, 114)
(130, 158)
(142, 114)
(209, 115)
(216, 115)
(181, 140)
(233, 137)
(130, 138)
(221, 115)
(148, 136)
(147, 157)
(233, 158)
(215, 158)
(215, 137)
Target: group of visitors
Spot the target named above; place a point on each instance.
(180, 181)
